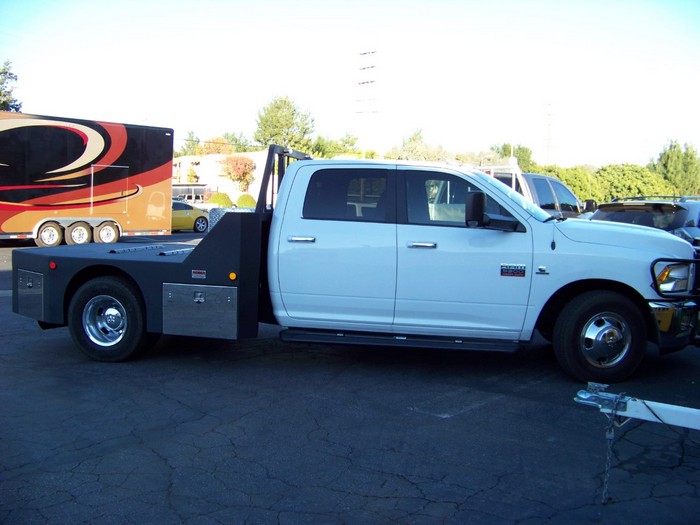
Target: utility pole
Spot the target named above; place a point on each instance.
(366, 95)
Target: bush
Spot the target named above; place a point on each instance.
(245, 201)
(221, 199)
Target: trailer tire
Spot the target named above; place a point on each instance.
(107, 232)
(600, 336)
(107, 319)
(79, 233)
(49, 234)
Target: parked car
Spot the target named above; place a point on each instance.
(188, 217)
(677, 215)
(549, 193)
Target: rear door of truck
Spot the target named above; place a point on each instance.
(337, 248)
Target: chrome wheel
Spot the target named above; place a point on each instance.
(104, 320)
(605, 340)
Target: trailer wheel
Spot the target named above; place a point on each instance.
(107, 232)
(107, 319)
(50, 234)
(78, 233)
(600, 336)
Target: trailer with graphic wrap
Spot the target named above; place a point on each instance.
(78, 181)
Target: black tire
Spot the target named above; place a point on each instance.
(107, 232)
(200, 224)
(50, 234)
(107, 319)
(600, 336)
(79, 233)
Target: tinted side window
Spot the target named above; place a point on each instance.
(350, 195)
(545, 196)
(567, 200)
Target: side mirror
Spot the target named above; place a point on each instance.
(476, 216)
(590, 206)
(475, 204)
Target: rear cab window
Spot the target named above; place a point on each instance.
(343, 194)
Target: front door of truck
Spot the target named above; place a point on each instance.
(453, 280)
(337, 248)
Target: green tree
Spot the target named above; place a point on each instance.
(680, 166)
(7, 79)
(523, 154)
(191, 146)
(239, 169)
(326, 148)
(192, 175)
(627, 180)
(415, 148)
(281, 122)
(239, 142)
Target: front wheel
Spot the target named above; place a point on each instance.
(106, 318)
(600, 336)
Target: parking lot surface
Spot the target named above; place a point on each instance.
(208, 432)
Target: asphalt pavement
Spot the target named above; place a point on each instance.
(264, 432)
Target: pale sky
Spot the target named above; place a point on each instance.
(577, 81)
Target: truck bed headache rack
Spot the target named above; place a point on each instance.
(278, 158)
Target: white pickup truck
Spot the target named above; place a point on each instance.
(380, 253)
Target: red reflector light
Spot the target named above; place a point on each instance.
(52, 265)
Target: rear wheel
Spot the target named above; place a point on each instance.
(49, 234)
(107, 319)
(201, 224)
(79, 233)
(600, 336)
(107, 232)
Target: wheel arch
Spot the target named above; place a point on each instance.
(93, 272)
(548, 315)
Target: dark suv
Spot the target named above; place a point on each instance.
(677, 215)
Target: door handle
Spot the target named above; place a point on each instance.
(431, 245)
(298, 238)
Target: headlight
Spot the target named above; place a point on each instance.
(673, 277)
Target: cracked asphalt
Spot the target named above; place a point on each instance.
(262, 432)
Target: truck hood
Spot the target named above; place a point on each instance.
(604, 233)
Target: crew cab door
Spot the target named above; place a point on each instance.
(453, 280)
(336, 265)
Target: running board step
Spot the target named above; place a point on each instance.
(299, 335)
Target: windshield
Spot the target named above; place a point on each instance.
(534, 210)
